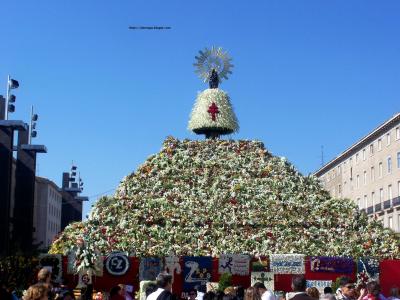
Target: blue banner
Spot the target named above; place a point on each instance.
(196, 271)
(331, 264)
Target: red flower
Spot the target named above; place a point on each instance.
(233, 201)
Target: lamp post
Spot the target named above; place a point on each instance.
(10, 99)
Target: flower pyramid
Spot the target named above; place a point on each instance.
(223, 196)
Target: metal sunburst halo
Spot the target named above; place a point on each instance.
(213, 65)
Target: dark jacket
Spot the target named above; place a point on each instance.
(302, 296)
(166, 295)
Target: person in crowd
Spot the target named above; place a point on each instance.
(240, 293)
(44, 276)
(116, 293)
(200, 293)
(38, 291)
(346, 290)
(313, 292)
(299, 285)
(209, 296)
(252, 294)
(328, 290)
(219, 295)
(394, 294)
(124, 292)
(327, 296)
(4, 293)
(68, 296)
(263, 292)
(164, 283)
(192, 294)
(374, 292)
(150, 289)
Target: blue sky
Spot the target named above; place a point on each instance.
(307, 73)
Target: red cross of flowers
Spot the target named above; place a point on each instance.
(213, 111)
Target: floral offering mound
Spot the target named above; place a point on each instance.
(221, 196)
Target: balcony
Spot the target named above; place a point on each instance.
(396, 201)
(386, 204)
(370, 210)
(378, 207)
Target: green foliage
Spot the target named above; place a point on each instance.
(225, 280)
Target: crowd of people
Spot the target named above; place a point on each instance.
(43, 289)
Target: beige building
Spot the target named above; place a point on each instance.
(369, 173)
(47, 212)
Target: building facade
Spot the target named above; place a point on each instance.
(47, 212)
(369, 174)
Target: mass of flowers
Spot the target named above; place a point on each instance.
(223, 196)
(201, 117)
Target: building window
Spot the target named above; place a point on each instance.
(398, 188)
(390, 222)
(371, 149)
(359, 203)
(365, 201)
(380, 195)
(340, 189)
(388, 139)
(397, 133)
(358, 181)
(379, 144)
(390, 195)
(398, 160)
(373, 198)
(339, 169)
(357, 158)
(365, 177)
(364, 154)
(351, 173)
(380, 170)
(372, 173)
(389, 164)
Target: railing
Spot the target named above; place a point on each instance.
(387, 204)
(378, 207)
(370, 210)
(396, 201)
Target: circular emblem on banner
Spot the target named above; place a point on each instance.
(117, 264)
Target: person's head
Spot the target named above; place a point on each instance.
(373, 288)
(151, 288)
(260, 288)
(115, 291)
(299, 283)
(38, 291)
(68, 296)
(44, 275)
(347, 287)
(192, 294)
(394, 292)
(252, 294)
(240, 292)
(313, 292)
(164, 281)
(122, 290)
(328, 297)
(328, 290)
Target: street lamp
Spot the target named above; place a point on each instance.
(32, 126)
(10, 107)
